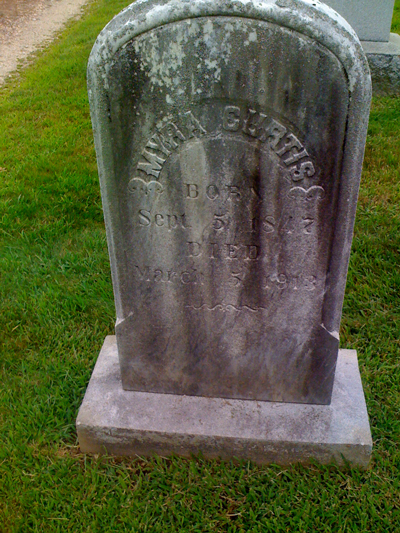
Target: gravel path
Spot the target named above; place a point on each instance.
(26, 25)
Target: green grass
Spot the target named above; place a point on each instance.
(56, 306)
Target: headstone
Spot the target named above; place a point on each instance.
(371, 19)
(230, 138)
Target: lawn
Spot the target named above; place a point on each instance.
(57, 307)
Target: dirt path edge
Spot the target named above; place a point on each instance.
(34, 34)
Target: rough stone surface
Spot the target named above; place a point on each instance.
(384, 63)
(230, 138)
(120, 422)
(371, 19)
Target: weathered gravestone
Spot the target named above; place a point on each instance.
(230, 138)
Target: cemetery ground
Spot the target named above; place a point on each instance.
(57, 307)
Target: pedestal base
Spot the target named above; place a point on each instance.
(120, 422)
(384, 63)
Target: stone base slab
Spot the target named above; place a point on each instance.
(384, 63)
(126, 423)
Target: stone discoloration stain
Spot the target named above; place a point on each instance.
(306, 16)
(163, 63)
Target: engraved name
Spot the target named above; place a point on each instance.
(254, 124)
(164, 141)
(268, 130)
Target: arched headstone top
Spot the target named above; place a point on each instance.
(312, 18)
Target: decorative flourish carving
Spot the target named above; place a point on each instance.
(137, 184)
(306, 195)
(226, 307)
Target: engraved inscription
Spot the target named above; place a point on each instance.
(167, 139)
(249, 252)
(159, 275)
(194, 191)
(146, 218)
(171, 134)
(212, 192)
(191, 275)
(268, 130)
(235, 227)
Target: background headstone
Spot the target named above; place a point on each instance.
(230, 139)
(371, 19)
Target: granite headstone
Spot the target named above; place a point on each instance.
(230, 138)
(371, 19)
